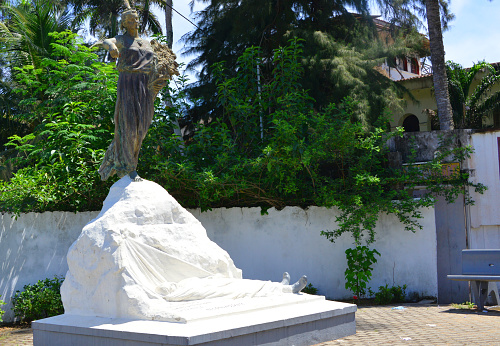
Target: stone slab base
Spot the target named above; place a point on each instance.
(305, 323)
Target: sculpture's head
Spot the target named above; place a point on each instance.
(130, 19)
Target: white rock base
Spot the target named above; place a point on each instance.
(307, 320)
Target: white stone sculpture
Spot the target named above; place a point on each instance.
(144, 255)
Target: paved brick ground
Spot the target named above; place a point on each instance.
(415, 325)
(423, 325)
(22, 337)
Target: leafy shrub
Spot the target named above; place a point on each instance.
(360, 262)
(387, 295)
(310, 289)
(1, 311)
(69, 105)
(39, 300)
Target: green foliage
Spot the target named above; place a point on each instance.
(1, 311)
(272, 148)
(310, 289)
(39, 300)
(471, 95)
(104, 16)
(387, 295)
(71, 101)
(340, 51)
(464, 306)
(387, 190)
(25, 30)
(360, 262)
(24, 39)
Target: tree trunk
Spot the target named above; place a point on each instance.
(438, 65)
(169, 33)
(168, 24)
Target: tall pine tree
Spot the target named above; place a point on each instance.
(341, 50)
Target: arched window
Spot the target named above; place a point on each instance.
(411, 124)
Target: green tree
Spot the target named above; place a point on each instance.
(57, 164)
(24, 40)
(471, 93)
(25, 30)
(9, 107)
(360, 261)
(299, 157)
(104, 16)
(340, 50)
(438, 65)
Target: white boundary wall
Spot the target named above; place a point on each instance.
(485, 213)
(34, 247)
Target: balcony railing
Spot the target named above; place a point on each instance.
(426, 69)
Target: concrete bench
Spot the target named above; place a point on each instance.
(482, 269)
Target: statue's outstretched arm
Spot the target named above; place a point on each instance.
(110, 45)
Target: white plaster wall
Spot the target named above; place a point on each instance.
(485, 237)
(34, 247)
(486, 210)
(289, 240)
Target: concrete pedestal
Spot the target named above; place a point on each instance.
(301, 320)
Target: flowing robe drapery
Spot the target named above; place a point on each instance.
(145, 256)
(134, 106)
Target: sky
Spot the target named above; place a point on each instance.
(180, 27)
(472, 36)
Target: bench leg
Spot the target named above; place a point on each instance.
(480, 291)
(493, 289)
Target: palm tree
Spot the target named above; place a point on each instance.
(24, 40)
(104, 16)
(24, 33)
(438, 65)
(169, 33)
(472, 104)
(149, 22)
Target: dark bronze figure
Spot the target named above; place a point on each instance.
(145, 69)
